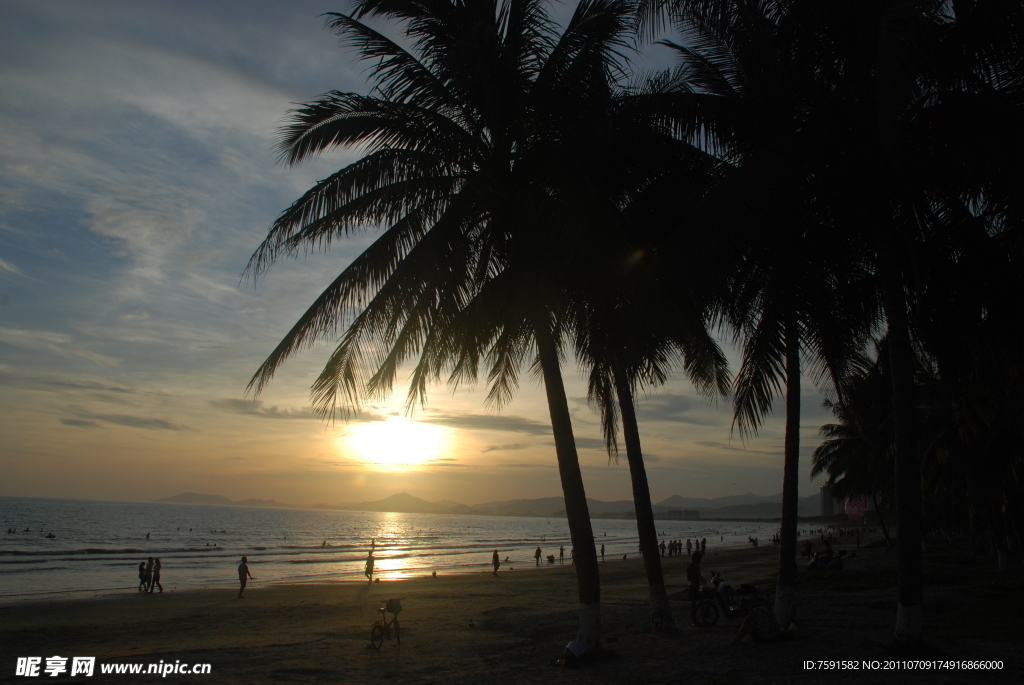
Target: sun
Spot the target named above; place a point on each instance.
(396, 444)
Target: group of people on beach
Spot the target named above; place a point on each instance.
(675, 547)
(149, 575)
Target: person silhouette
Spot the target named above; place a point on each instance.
(368, 571)
(243, 576)
(602, 551)
(156, 576)
(537, 555)
(496, 562)
(561, 554)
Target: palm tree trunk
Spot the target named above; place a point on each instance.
(908, 463)
(881, 521)
(785, 595)
(661, 612)
(588, 580)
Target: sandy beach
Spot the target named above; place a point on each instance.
(476, 628)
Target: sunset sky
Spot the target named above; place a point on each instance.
(137, 175)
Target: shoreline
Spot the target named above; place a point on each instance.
(471, 627)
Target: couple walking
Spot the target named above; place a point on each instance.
(149, 575)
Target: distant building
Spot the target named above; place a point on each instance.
(828, 504)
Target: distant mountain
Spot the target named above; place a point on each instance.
(194, 498)
(220, 500)
(548, 506)
(402, 502)
(733, 506)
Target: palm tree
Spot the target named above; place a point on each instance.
(874, 92)
(857, 453)
(461, 167)
(792, 272)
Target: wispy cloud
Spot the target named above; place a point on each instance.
(505, 448)
(732, 448)
(130, 421)
(78, 423)
(487, 422)
(674, 408)
(57, 343)
(8, 268)
(258, 408)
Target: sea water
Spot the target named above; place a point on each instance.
(97, 546)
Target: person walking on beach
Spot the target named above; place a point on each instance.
(689, 547)
(561, 554)
(496, 562)
(537, 555)
(149, 574)
(368, 571)
(693, 576)
(156, 576)
(602, 552)
(142, 576)
(703, 546)
(243, 576)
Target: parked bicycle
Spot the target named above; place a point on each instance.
(707, 607)
(384, 628)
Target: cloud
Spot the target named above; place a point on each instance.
(132, 421)
(78, 423)
(8, 268)
(58, 384)
(674, 408)
(733, 448)
(488, 422)
(257, 408)
(505, 448)
(586, 444)
(57, 343)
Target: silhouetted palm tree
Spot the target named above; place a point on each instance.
(462, 170)
(797, 284)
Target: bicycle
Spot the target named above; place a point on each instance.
(707, 608)
(382, 628)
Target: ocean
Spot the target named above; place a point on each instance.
(97, 546)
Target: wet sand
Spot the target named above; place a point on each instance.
(478, 628)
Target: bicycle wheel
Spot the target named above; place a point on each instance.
(398, 635)
(707, 614)
(377, 636)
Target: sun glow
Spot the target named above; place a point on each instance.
(396, 444)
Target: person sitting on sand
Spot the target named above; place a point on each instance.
(156, 576)
(762, 626)
(368, 571)
(693, 577)
(496, 562)
(243, 576)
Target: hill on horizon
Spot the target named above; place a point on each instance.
(220, 500)
(747, 505)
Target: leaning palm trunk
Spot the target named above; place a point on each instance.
(661, 612)
(785, 595)
(908, 465)
(582, 534)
